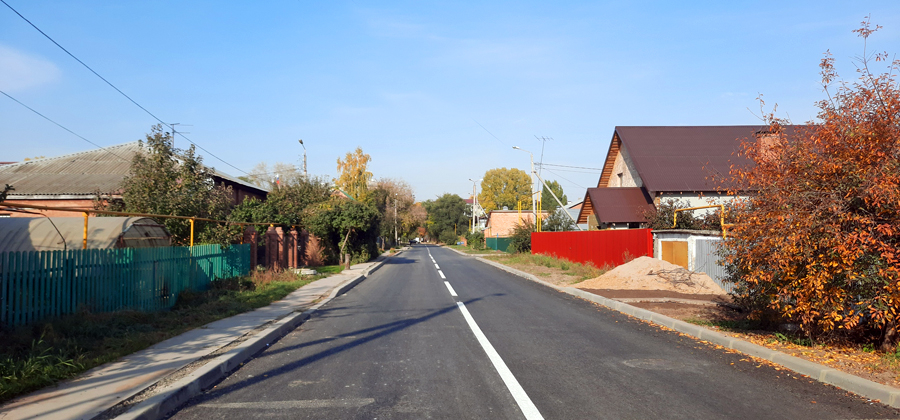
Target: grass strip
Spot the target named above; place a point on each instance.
(471, 250)
(42, 354)
(524, 260)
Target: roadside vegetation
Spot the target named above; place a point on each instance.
(44, 353)
(558, 271)
(816, 244)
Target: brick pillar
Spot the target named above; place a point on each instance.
(252, 237)
(290, 249)
(274, 245)
(302, 246)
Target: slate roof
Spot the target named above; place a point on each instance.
(80, 174)
(682, 158)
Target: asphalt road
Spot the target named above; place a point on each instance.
(401, 345)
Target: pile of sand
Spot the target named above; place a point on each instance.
(645, 273)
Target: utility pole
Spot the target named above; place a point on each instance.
(533, 174)
(396, 241)
(544, 140)
(474, 202)
(304, 159)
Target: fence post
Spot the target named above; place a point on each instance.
(274, 243)
(290, 248)
(252, 237)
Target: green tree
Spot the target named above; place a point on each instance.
(348, 227)
(559, 221)
(520, 241)
(548, 203)
(353, 174)
(446, 217)
(505, 187)
(169, 181)
(286, 205)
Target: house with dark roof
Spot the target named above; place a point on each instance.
(74, 180)
(649, 165)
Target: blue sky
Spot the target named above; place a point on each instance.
(410, 82)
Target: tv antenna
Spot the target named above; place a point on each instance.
(543, 141)
(174, 131)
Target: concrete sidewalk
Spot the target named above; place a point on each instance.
(101, 388)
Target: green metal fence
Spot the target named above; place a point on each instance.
(39, 284)
(499, 244)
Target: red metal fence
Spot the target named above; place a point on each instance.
(601, 247)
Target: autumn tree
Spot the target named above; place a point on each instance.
(353, 174)
(394, 199)
(817, 241)
(505, 187)
(548, 203)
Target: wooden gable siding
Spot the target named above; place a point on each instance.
(611, 156)
(587, 209)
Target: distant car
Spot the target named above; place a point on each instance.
(412, 242)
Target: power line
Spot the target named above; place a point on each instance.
(60, 125)
(567, 179)
(114, 87)
(574, 167)
(479, 124)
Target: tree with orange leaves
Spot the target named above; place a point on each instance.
(817, 242)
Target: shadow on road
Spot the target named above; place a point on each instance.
(376, 332)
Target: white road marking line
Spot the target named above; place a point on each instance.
(528, 408)
(282, 405)
(436, 266)
(450, 288)
(442, 274)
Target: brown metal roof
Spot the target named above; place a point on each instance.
(81, 174)
(620, 205)
(683, 159)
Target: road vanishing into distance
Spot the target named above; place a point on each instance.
(436, 335)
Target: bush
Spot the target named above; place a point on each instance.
(448, 237)
(475, 240)
(817, 242)
(520, 241)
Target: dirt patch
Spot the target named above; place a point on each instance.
(658, 296)
(853, 360)
(645, 273)
(551, 275)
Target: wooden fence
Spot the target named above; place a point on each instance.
(39, 284)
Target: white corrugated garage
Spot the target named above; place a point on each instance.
(58, 233)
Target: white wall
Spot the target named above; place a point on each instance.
(623, 165)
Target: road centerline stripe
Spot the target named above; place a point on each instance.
(442, 274)
(450, 288)
(436, 266)
(525, 404)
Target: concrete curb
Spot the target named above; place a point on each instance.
(863, 387)
(209, 374)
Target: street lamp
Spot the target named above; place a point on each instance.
(474, 202)
(533, 203)
(304, 159)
